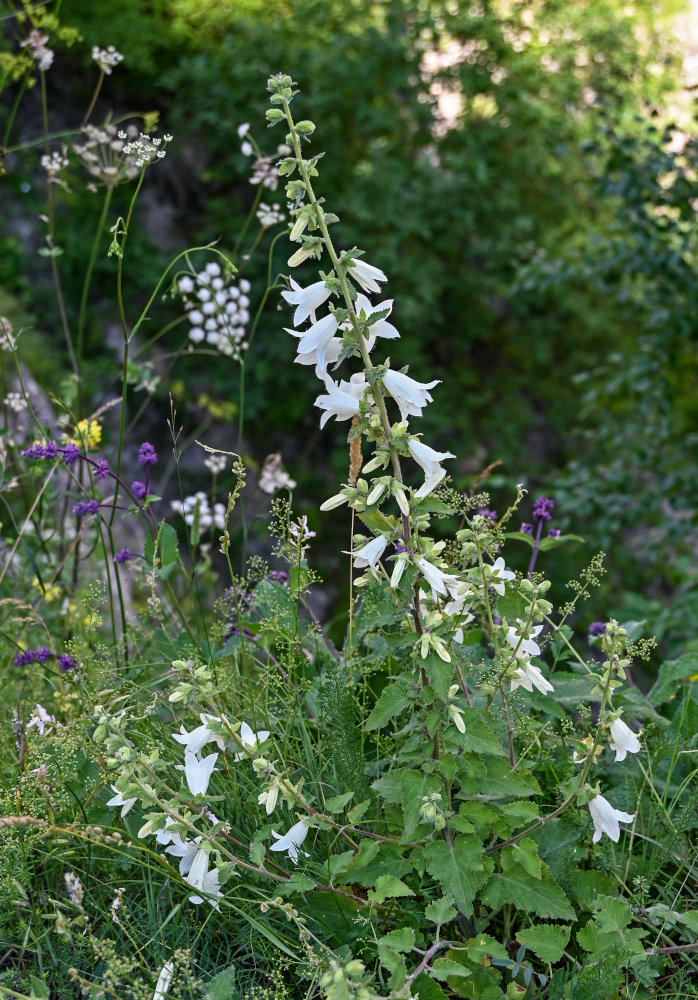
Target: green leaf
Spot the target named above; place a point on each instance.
(500, 782)
(482, 945)
(461, 869)
(338, 802)
(222, 986)
(478, 736)
(40, 990)
(392, 702)
(442, 968)
(546, 941)
(670, 674)
(399, 940)
(426, 989)
(690, 920)
(526, 893)
(415, 786)
(554, 543)
(440, 674)
(388, 887)
(524, 854)
(297, 883)
(373, 860)
(520, 536)
(441, 911)
(357, 811)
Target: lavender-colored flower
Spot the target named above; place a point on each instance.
(89, 507)
(122, 556)
(70, 454)
(278, 576)
(33, 452)
(42, 654)
(50, 449)
(24, 659)
(543, 509)
(400, 547)
(66, 662)
(102, 468)
(491, 515)
(554, 533)
(597, 628)
(147, 454)
(527, 529)
(138, 489)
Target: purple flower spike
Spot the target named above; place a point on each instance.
(102, 468)
(24, 659)
(543, 509)
(66, 662)
(50, 449)
(491, 515)
(147, 454)
(33, 452)
(527, 528)
(122, 556)
(597, 628)
(70, 454)
(138, 489)
(82, 508)
(554, 533)
(42, 654)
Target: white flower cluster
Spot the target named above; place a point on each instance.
(217, 309)
(273, 477)
(198, 768)
(7, 340)
(269, 215)
(145, 149)
(102, 152)
(215, 463)
(41, 720)
(54, 162)
(15, 401)
(107, 58)
(198, 505)
(43, 55)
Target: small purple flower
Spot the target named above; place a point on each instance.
(244, 631)
(24, 659)
(138, 489)
(597, 628)
(50, 449)
(543, 509)
(42, 654)
(102, 468)
(400, 547)
(278, 576)
(147, 454)
(496, 620)
(70, 454)
(527, 529)
(122, 556)
(491, 515)
(66, 662)
(554, 533)
(82, 508)
(33, 452)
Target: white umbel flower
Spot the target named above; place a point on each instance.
(291, 841)
(430, 461)
(606, 819)
(366, 275)
(623, 740)
(306, 300)
(409, 394)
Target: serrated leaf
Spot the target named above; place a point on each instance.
(391, 703)
(440, 674)
(338, 802)
(612, 914)
(441, 911)
(399, 940)
(460, 869)
(297, 883)
(531, 895)
(415, 786)
(546, 941)
(388, 887)
(222, 986)
(40, 990)
(427, 989)
(690, 920)
(443, 968)
(357, 811)
(484, 944)
(500, 782)
(373, 860)
(523, 854)
(478, 736)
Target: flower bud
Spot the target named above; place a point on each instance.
(305, 127)
(274, 115)
(336, 501)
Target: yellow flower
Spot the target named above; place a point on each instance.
(89, 433)
(51, 592)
